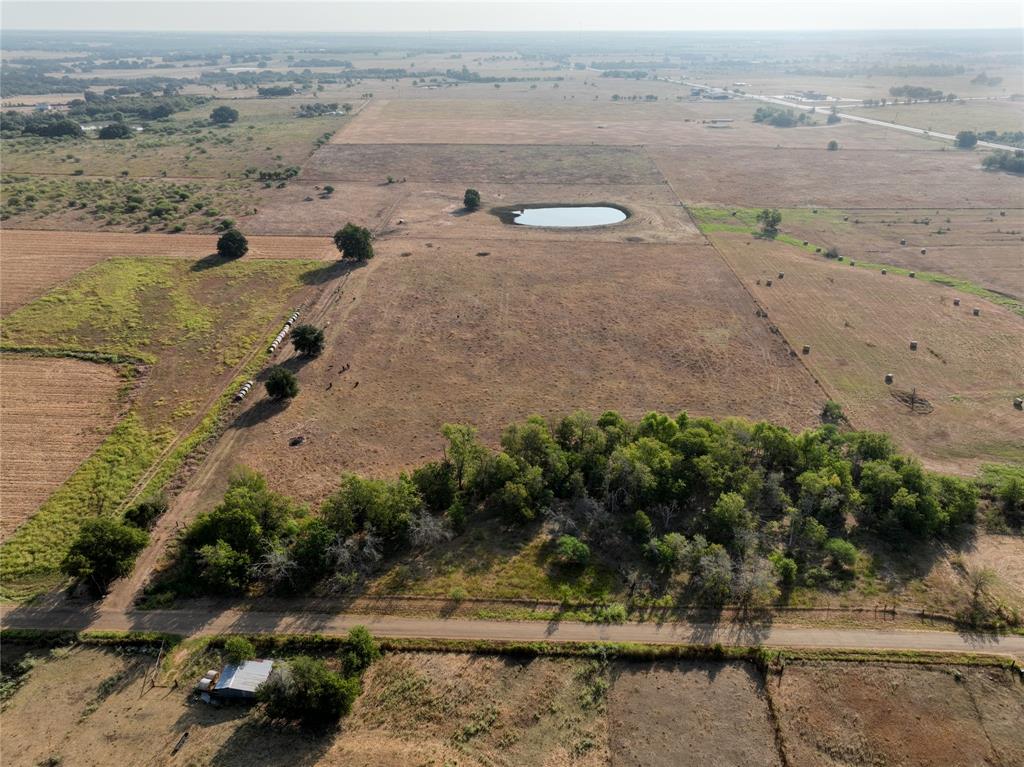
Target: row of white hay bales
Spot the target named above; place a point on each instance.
(284, 332)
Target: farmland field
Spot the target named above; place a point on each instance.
(859, 323)
(89, 706)
(188, 325)
(449, 333)
(978, 116)
(854, 178)
(55, 412)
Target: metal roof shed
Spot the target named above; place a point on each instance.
(241, 681)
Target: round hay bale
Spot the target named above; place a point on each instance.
(976, 312)
(903, 242)
(913, 346)
(956, 302)
(781, 275)
(912, 275)
(888, 378)
(885, 271)
(768, 283)
(923, 251)
(807, 349)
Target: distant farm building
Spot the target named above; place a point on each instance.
(235, 681)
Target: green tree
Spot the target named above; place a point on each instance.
(966, 139)
(281, 384)
(115, 131)
(239, 649)
(833, 145)
(223, 115)
(308, 340)
(769, 220)
(222, 569)
(843, 553)
(143, 514)
(361, 650)
(471, 199)
(572, 551)
(305, 690)
(355, 242)
(104, 550)
(832, 412)
(232, 244)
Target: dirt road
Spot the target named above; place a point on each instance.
(193, 622)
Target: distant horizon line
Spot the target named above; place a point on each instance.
(357, 33)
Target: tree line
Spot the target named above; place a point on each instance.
(725, 511)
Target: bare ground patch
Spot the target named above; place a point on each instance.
(673, 714)
(846, 715)
(55, 412)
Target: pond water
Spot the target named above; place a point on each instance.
(569, 216)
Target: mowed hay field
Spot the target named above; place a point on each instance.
(588, 116)
(445, 334)
(483, 163)
(859, 324)
(54, 413)
(87, 706)
(984, 246)
(875, 178)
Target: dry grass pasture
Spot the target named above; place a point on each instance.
(483, 163)
(874, 178)
(977, 115)
(545, 118)
(55, 412)
(859, 324)
(981, 245)
(35, 255)
(86, 706)
(451, 333)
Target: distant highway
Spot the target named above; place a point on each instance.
(843, 115)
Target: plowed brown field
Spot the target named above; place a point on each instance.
(53, 414)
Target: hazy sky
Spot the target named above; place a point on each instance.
(527, 15)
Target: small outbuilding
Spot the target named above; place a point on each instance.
(239, 682)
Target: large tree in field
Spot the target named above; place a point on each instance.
(471, 199)
(281, 384)
(305, 690)
(354, 242)
(308, 340)
(966, 139)
(769, 219)
(104, 551)
(232, 244)
(223, 115)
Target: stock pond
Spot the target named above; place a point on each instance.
(568, 216)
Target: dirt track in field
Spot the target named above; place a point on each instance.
(54, 413)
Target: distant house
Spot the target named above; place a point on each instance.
(43, 107)
(239, 682)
